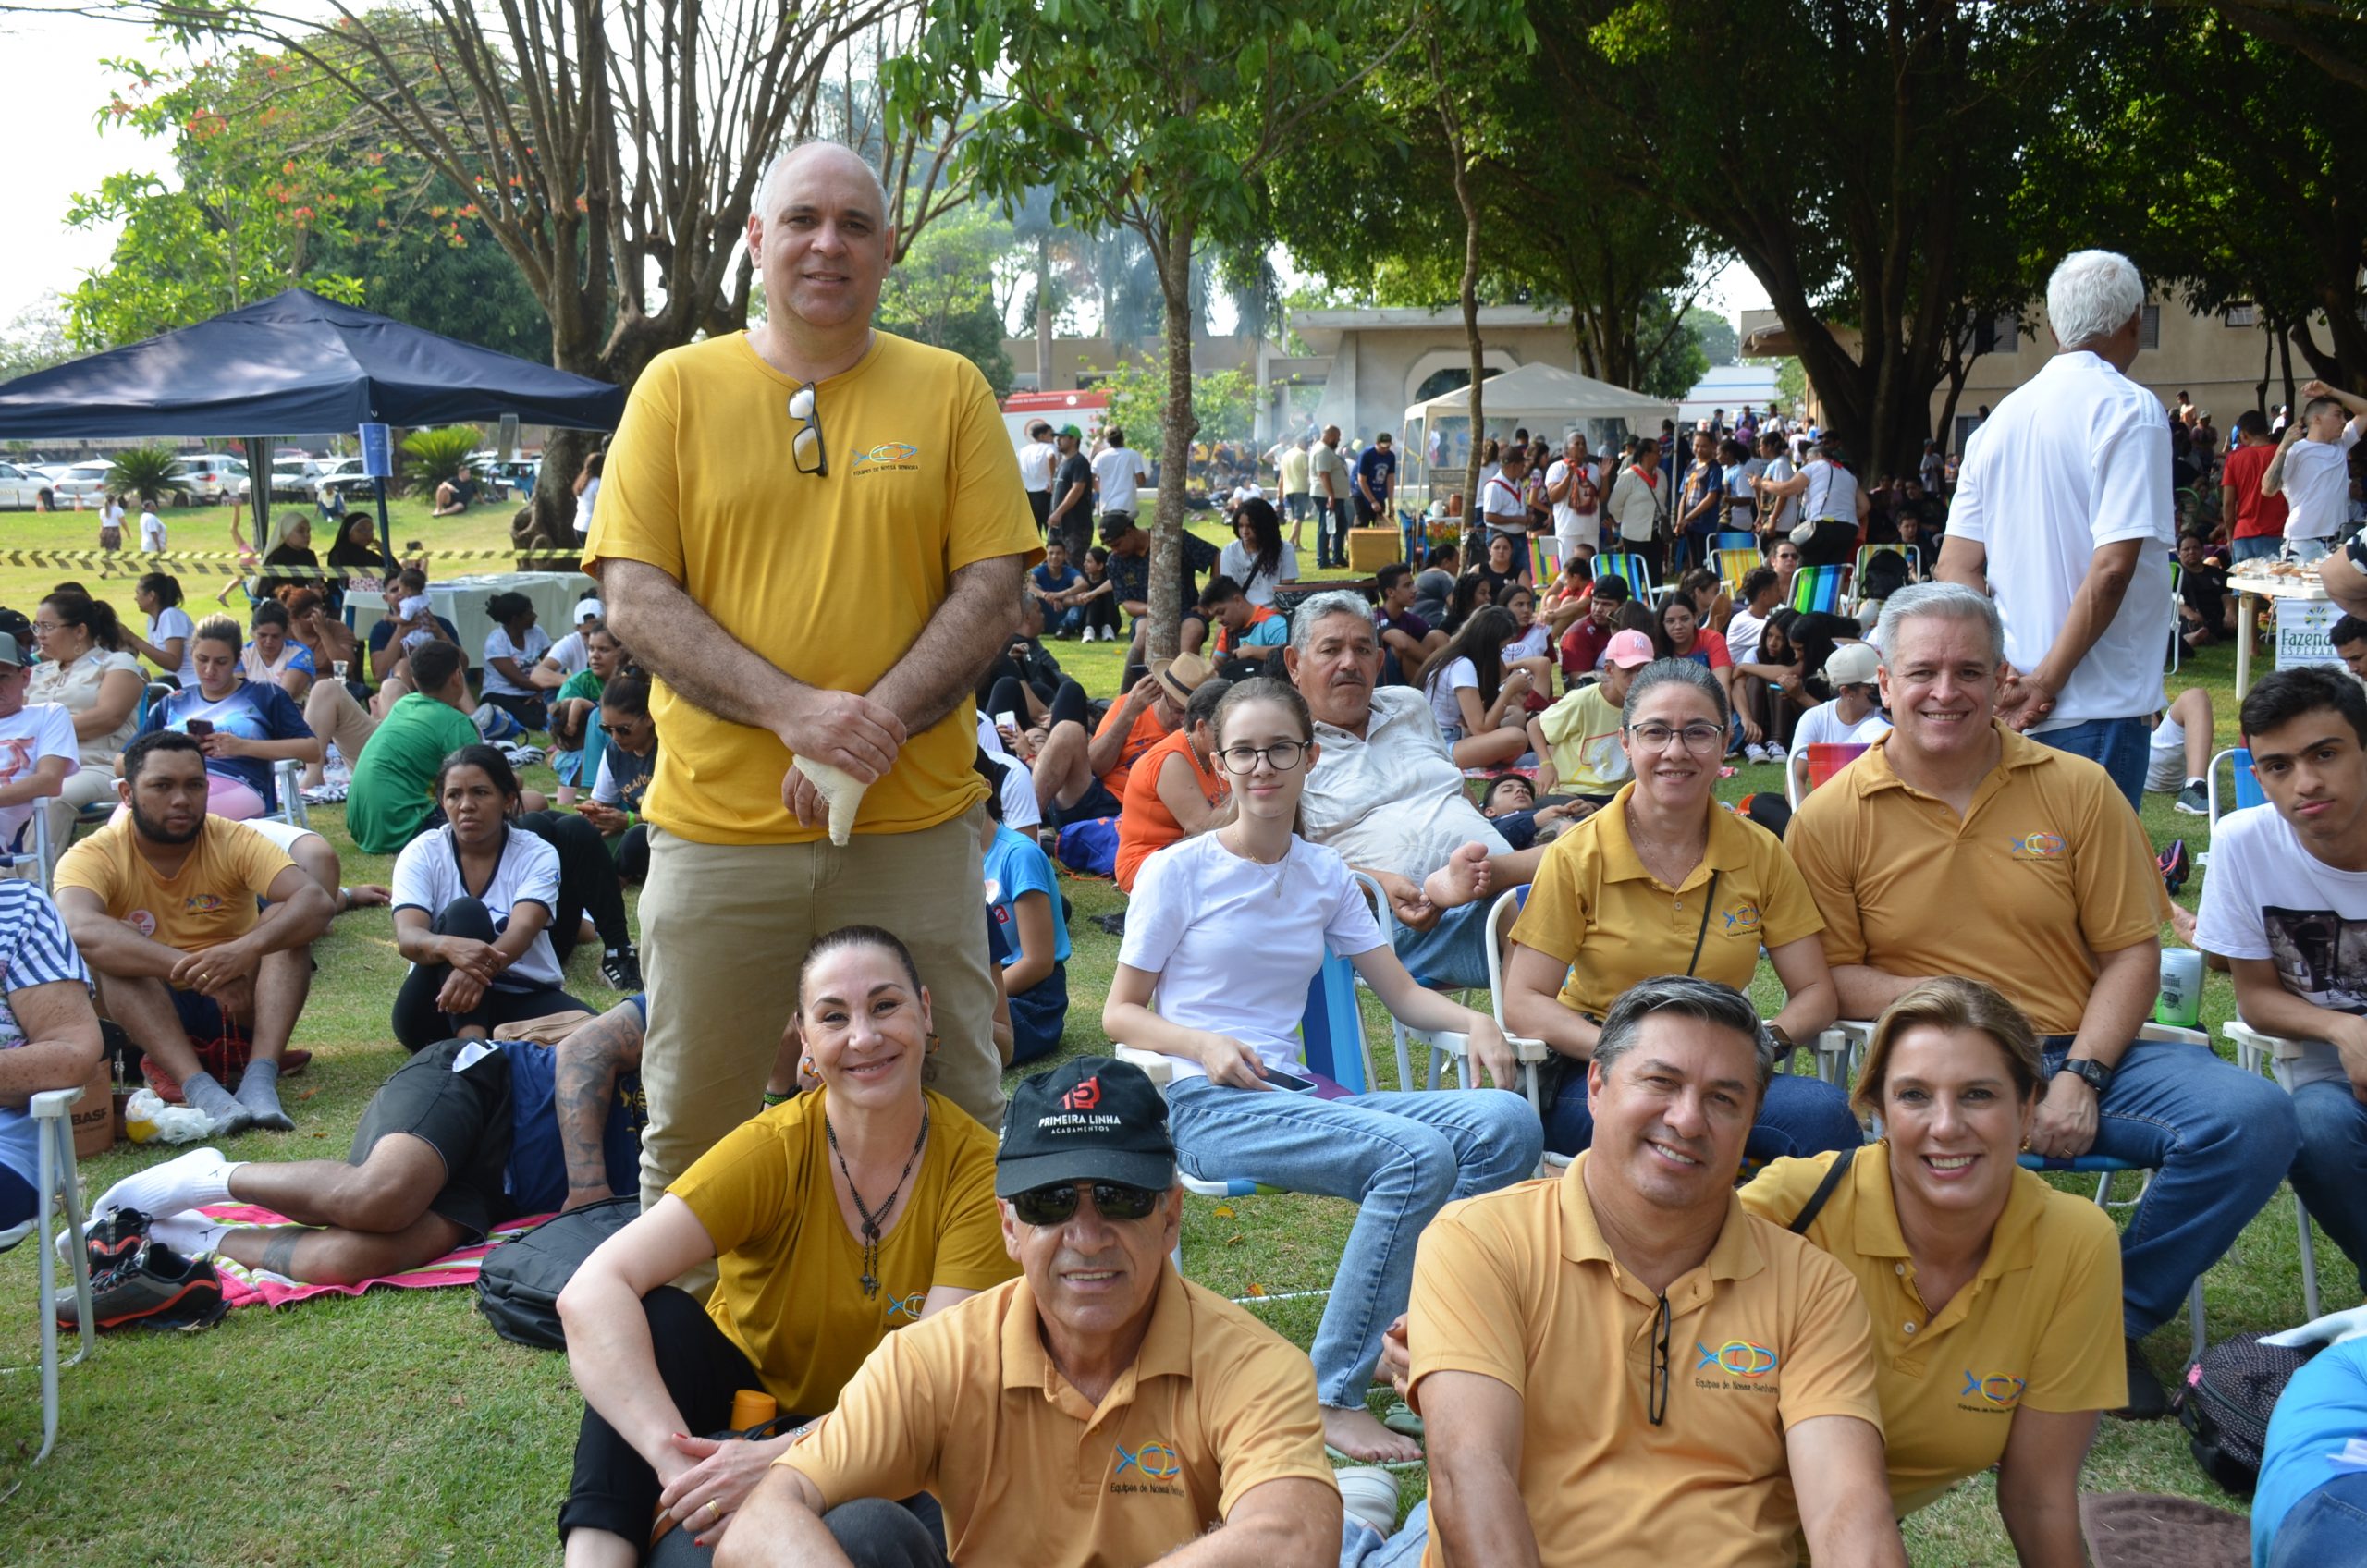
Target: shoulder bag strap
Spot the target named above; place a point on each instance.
(1709, 897)
(1815, 1206)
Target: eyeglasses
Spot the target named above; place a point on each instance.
(1281, 756)
(1656, 1401)
(1697, 736)
(1056, 1204)
(805, 448)
(43, 628)
(630, 727)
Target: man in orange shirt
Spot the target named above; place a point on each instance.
(1174, 792)
(1077, 779)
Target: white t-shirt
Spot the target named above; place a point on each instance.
(1193, 904)
(427, 876)
(584, 503)
(1788, 516)
(1831, 492)
(1568, 522)
(1443, 685)
(1500, 504)
(1118, 472)
(1020, 811)
(1743, 499)
(1392, 798)
(152, 531)
(2317, 485)
(2075, 458)
(1036, 460)
(1293, 468)
(1822, 726)
(1744, 631)
(1234, 561)
(168, 623)
(570, 654)
(111, 514)
(2268, 897)
(498, 645)
(33, 733)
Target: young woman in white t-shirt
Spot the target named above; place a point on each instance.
(1476, 696)
(512, 649)
(1228, 929)
(170, 643)
(473, 901)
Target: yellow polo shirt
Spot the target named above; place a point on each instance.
(1518, 1285)
(969, 1408)
(2047, 869)
(1595, 907)
(209, 902)
(830, 577)
(2039, 1325)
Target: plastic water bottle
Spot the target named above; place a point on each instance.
(2180, 1002)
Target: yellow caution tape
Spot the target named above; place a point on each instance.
(121, 562)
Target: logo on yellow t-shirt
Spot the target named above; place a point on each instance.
(1741, 919)
(2038, 846)
(907, 1306)
(203, 904)
(886, 456)
(1739, 1358)
(2000, 1390)
(1154, 1462)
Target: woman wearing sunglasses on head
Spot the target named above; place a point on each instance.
(858, 1207)
(1228, 928)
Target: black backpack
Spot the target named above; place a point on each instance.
(2225, 1403)
(519, 1282)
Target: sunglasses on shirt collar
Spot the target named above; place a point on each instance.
(807, 448)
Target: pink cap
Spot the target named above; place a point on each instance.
(1628, 650)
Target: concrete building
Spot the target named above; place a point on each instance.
(1376, 364)
(2220, 358)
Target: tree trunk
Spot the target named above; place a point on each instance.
(547, 521)
(2285, 354)
(1044, 311)
(1177, 425)
(1469, 294)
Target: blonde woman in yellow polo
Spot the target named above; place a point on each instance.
(1995, 1299)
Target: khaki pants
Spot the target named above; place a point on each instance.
(724, 929)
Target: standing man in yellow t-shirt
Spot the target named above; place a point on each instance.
(813, 534)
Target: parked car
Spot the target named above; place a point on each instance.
(24, 487)
(84, 485)
(211, 477)
(342, 476)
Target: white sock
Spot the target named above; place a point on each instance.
(191, 1181)
(192, 1235)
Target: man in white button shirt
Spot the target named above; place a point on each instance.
(2063, 514)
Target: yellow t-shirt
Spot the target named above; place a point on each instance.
(1519, 1285)
(2048, 868)
(1596, 908)
(789, 1272)
(829, 578)
(209, 902)
(1582, 733)
(2039, 1325)
(969, 1408)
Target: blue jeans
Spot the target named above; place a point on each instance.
(1401, 1157)
(2260, 547)
(2330, 1173)
(2326, 1529)
(2218, 1141)
(1800, 1117)
(1453, 953)
(2117, 745)
(1363, 1547)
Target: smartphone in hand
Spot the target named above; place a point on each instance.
(200, 727)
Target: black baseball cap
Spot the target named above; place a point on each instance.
(1091, 1118)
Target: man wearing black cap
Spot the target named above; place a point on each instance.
(1099, 1409)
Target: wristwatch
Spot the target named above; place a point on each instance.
(2095, 1074)
(1782, 1038)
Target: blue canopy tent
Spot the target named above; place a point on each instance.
(295, 362)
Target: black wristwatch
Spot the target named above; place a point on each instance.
(2095, 1074)
(1782, 1038)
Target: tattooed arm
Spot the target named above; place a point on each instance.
(589, 1062)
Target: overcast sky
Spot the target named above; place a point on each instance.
(53, 91)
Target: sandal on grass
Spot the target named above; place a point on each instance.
(1400, 1418)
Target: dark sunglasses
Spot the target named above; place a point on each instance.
(1056, 1204)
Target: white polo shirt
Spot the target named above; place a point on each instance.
(2075, 458)
(2317, 485)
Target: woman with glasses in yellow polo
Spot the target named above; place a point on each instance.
(1666, 880)
(1995, 1299)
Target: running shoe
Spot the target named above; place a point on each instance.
(1755, 751)
(2193, 802)
(622, 970)
(114, 1237)
(155, 1288)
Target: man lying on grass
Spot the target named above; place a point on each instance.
(464, 1135)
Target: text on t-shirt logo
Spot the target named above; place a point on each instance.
(2038, 846)
(886, 455)
(2001, 1391)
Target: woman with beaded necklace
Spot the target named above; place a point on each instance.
(860, 1207)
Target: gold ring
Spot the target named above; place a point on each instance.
(711, 1508)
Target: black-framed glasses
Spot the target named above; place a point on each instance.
(633, 727)
(1281, 756)
(1697, 736)
(1656, 1403)
(807, 448)
(1054, 1205)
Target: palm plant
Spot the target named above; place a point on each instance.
(434, 456)
(148, 473)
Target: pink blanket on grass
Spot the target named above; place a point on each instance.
(242, 1286)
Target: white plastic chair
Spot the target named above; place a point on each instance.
(57, 1186)
(1443, 1046)
(2255, 1050)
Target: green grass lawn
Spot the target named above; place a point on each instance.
(396, 1428)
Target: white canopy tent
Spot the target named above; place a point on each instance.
(1550, 401)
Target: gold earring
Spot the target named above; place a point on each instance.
(805, 1065)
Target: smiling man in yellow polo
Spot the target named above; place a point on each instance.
(812, 534)
(1621, 1365)
(1096, 1412)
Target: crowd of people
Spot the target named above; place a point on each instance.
(1728, 1327)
